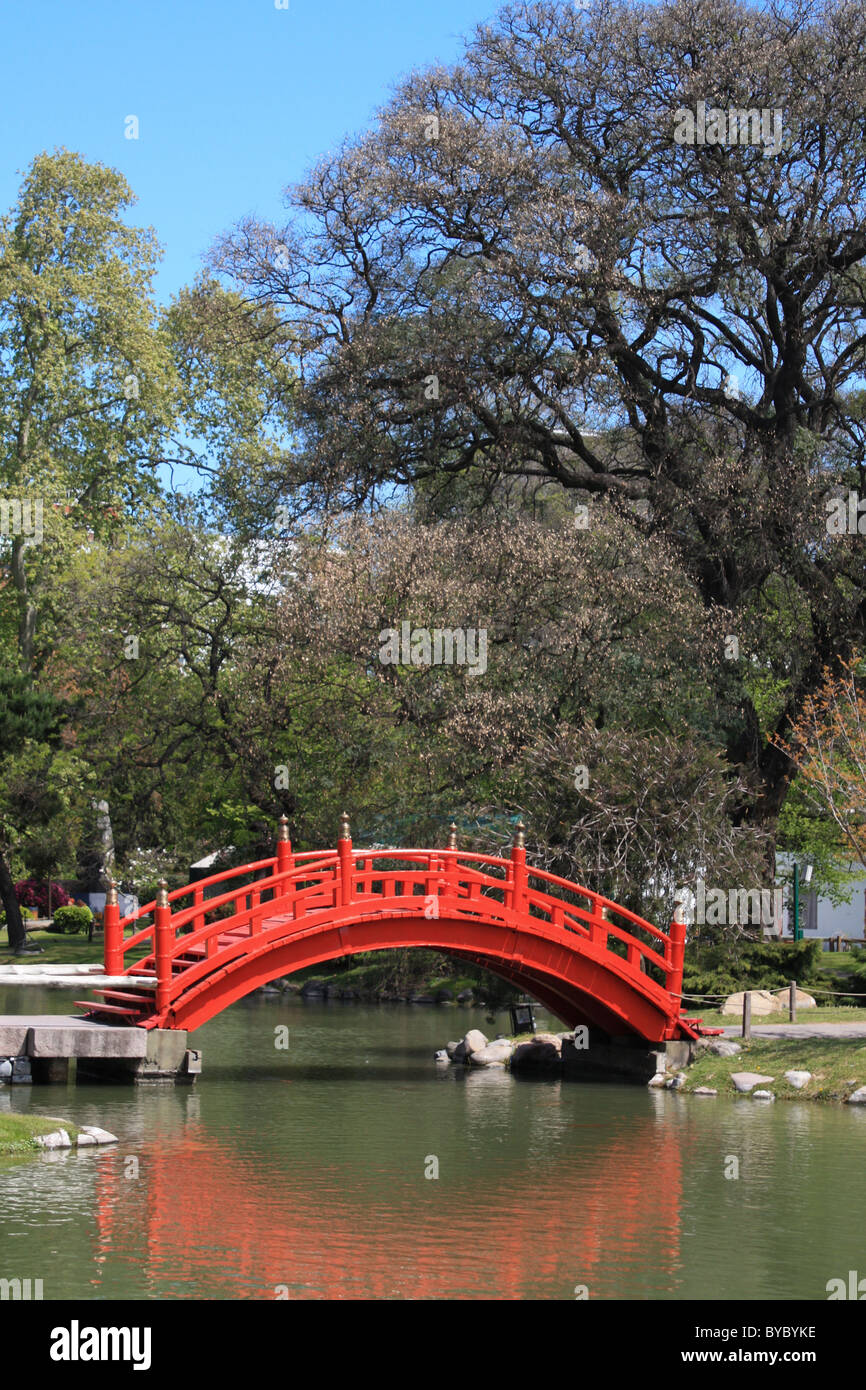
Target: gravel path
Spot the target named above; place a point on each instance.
(801, 1030)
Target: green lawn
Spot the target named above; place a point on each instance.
(63, 949)
(17, 1131)
(714, 1019)
(57, 949)
(837, 1067)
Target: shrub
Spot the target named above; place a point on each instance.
(727, 969)
(32, 892)
(72, 919)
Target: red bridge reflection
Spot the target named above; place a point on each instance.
(204, 1222)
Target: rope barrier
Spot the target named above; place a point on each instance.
(835, 993)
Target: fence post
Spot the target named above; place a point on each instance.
(519, 877)
(164, 934)
(344, 850)
(792, 1001)
(747, 1013)
(112, 940)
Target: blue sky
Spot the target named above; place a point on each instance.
(235, 98)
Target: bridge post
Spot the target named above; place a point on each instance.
(677, 939)
(112, 939)
(284, 847)
(163, 933)
(344, 851)
(519, 878)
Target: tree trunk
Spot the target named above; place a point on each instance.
(14, 923)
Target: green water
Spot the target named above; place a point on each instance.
(301, 1173)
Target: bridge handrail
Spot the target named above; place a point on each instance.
(317, 861)
(577, 890)
(295, 874)
(221, 877)
(496, 888)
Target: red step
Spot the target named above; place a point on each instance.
(145, 997)
(114, 1010)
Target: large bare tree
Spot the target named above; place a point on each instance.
(617, 249)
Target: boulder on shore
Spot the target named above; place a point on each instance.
(804, 1000)
(474, 1041)
(720, 1047)
(798, 1079)
(763, 1002)
(747, 1080)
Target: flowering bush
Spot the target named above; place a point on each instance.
(32, 892)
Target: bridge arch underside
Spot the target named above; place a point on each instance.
(579, 984)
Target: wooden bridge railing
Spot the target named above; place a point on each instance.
(293, 888)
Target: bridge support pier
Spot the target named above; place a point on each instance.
(102, 1052)
(622, 1059)
(166, 1058)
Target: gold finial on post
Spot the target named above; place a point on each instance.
(162, 895)
(283, 832)
(345, 831)
(520, 836)
(452, 836)
(111, 898)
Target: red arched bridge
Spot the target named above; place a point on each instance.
(191, 953)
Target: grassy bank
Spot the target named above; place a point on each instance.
(838, 1067)
(57, 949)
(842, 1014)
(17, 1132)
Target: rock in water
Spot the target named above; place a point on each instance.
(495, 1054)
(474, 1041)
(101, 1136)
(58, 1139)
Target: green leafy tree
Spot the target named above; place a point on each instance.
(86, 380)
